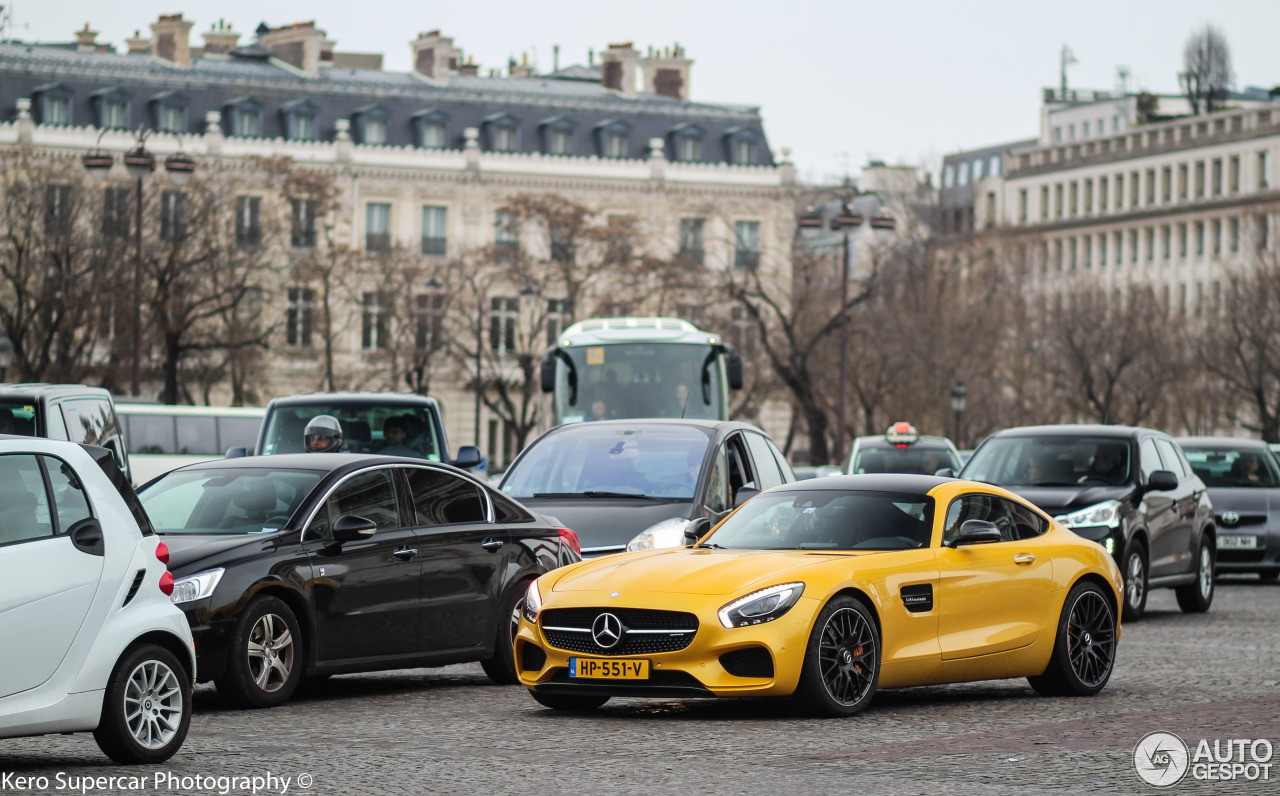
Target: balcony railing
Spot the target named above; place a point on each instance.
(746, 259)
(377, 242)
(432, 245)
(303, 239)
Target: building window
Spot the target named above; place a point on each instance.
(691, 241)
(1183, 188)
(1182, 241)
(248, 229)
(1057, 135)
(1088, 197)
(1118, 239)
(377, 227)
(948, 176)
(1262, 236)
(562, 245)
(615, 145)
(1044, 202)
(115, 113)
(1133, 246)
(433, 136)
(746, 235)
(300, 121)
(993, 166)
(1057, 255)
(1233, 174)
(375, 322)
(1058, 207)
(1084, 129)
(1234, 234)
(375, 131)
(1264, 167)
(299, 320)
(171, 118)
(689, 149)
(1199, 238)
(1217, 176)
(1151, 187)
(1119, 192)
(744, 153)
(557, 317)
(433, 233)
(117, 212)
(561, 142)
(1102, 250)
(173, 215)
(1115, 123)
(1217, 236)
(248, 124)
(1166, 242)
(55, 109)
(977, 170)
(303, 233)
(1200, 179)
(1134, 189)
(504, 315)
(428, 321)
(506, 233)
(58, 211)
(1075, 197)
(1166, 184)
(504, 139)
(962, 173)
(1072, 249)
(1022, 206)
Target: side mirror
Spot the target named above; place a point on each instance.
(547, 373)
(946, 472)
(696, 529)
(744, 494)
(1162, 481)
(237, 452)
(976, 532)
(350, 528)
(734, 365)
(468, 457)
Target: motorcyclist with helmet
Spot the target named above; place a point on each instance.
(323, 435)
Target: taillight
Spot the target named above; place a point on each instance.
(570, 538)
(166, 583)
(162, 553)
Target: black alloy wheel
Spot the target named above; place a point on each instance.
(1135, 581)
(1197, 596)
(1084, 651)
(842, 660)
(501, 668)
(265, 658)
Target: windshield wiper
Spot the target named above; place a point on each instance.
(593, 493)
(712, 546)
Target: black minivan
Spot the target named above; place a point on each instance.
(1129, 489)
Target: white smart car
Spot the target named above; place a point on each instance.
(89, 639)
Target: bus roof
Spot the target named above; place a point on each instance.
(603, 331)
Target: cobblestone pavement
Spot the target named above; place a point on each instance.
(448, 730)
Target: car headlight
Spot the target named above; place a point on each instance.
(668, 533)
(532, 603)
(1105, 513)
(196, 587)
(761, 606)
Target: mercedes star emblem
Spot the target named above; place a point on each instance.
(1230, 518)
(606, 631)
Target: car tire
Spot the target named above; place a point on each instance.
(1084, 646)
(1268, 577)
(570, 702)
(1196, 597)
(266, 656)
(1134, 573)
(841, 662)
(147, 679)
(501, 668)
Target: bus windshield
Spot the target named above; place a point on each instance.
(626, 380)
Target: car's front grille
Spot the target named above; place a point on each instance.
(1240, 556)
(1243, 519)
(643, 631)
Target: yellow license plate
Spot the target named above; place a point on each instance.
(606, 669)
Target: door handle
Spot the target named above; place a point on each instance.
(1024, 558)
(405, 553)
(491, 544)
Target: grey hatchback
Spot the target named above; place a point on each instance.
(1244, 485)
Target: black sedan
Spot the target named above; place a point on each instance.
(1244, 484)
(644, 484)
(307, 565)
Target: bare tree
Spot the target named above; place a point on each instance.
(1206, 65)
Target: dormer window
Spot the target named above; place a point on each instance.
(169, 112)
(557, 136)
(686, 143)
(371, 125)
(300, 120)
(244, 118)
(613, 139)
(111, 106)
(502, 133)
(430, 129)
(53, 104)
(743, 146)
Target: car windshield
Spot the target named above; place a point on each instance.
(1050, 461)
(249, 500)
(828, 520)
(591, 460)
(389, 429)
(918, 458)
(1233, 467)
(18, 417)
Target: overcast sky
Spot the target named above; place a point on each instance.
(838, 81)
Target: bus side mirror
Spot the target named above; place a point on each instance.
(548, 372)
(735, 371)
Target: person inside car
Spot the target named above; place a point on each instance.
(395, 433)
(1107, 467)
(323, 435)
(1247, 469)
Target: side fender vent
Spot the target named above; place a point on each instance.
(918, 598)
(133, 590)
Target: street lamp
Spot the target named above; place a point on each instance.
(959, 399)
(140, 164)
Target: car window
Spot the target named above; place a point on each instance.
(56, 426)
(24, 502)
(767, 472)
(1014, 520)
(788, 475)
(829, 520)
(1150, 459)
(18, 417)
(223, 500)
(1051, 460)
(368, 495)
(879, 457)
(197, 436)
(151, 434)
(717, 499)
(505, 510)
(444, 499)
(739, 465)
(89, 421)
(365, 428)
(1169, 455)
(242, 431)
(70, 502)
(1234, 467)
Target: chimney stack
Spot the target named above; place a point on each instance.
(618, 66)
(220, 39)
(86, 40)
(666, 72)
(297, 45)
(170, 39)
(523, 69)
(434, 56)
(138, 44)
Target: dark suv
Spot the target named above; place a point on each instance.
(1129, 489)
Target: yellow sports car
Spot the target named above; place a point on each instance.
(826, 590)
